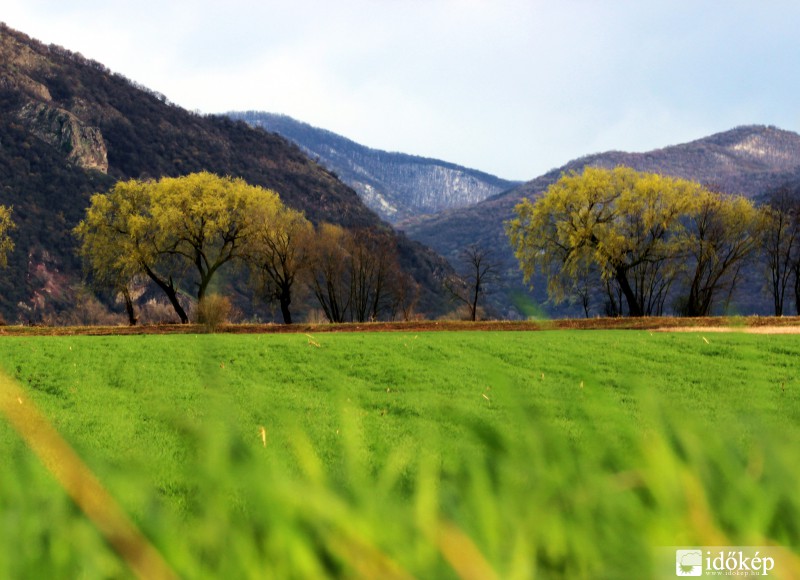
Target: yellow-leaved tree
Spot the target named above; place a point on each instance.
(176, 231)
(6, 243)
(632, 235)
(725, 231)
(279, 252)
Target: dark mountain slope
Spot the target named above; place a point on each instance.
(69, 127)
(748, 160)
(395, 185)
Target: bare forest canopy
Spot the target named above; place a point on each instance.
(394, 185)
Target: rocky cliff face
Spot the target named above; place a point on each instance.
(28, 73)
(80, 143)
(394, 185)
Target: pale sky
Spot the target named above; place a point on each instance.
(510, 87)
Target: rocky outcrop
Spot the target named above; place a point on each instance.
(44, 101)
(81, 144)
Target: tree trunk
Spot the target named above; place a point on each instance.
(202, 287)
(634, 308)
(778, 294)
(126, 295)
(694, 303)
(797, 289)
(473, 308)
(613, 307)
(172, 294)
(285, 300)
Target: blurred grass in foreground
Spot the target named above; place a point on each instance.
(514, 455)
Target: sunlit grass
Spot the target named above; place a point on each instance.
(555, 454)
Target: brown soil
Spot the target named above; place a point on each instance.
(746, 329)
(754, 324)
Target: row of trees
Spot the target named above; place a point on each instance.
(646, 242)
(179, 233)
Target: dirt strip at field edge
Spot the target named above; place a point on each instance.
(745, 329)
(750, 324)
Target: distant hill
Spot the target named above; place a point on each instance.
(395, 185)
(748, 160)
(70, 127)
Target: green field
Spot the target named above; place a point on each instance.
(573, 454)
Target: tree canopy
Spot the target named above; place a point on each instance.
(781, 244)
(355, 275)
(177, 231)
(723, 232)
(633, 235)
(279, 252)
(6, 243)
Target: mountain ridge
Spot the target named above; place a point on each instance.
(395, 185)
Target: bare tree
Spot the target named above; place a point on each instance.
(354, 274)
(330, 271)
(781, 244)
(405, 294)
(372, 261)
(479, 270)
(279, 254)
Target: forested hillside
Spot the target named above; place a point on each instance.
(748, 160)
(70, 127)
(395, 185)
